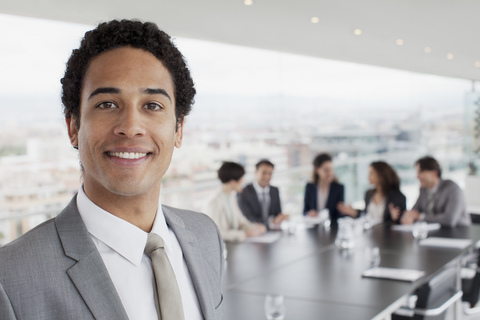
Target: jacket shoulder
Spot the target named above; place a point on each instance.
(38, 236)
(38, 248)
(448, 185)
(336, 186)
(248, 190)
(310, 186)
(192, 219)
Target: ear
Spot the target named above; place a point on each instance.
(179, 134)
(72, 130)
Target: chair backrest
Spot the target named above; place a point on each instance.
(471, 286)
(472, 185)
(434, 293)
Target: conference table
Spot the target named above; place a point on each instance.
(321, 281)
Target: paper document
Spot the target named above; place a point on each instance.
(320, 218)
(445, 243)
(393, 274)
(269, 237)
(313, 220)
(409, 227)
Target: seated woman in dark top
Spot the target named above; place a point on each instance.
(325, 192)
(385, 201)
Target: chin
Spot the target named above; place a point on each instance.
(127, 190)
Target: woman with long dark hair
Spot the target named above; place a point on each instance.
(324, 192)
(384, 201)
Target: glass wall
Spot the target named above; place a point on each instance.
(251, 104)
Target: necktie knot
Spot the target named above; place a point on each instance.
(154, 242)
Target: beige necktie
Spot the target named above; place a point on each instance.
(430, 203)
(168, 294)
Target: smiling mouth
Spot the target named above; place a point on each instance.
(127, 155)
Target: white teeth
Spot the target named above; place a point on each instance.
(127, 155)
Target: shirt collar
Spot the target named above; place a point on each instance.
(121, 236)
(435, 187)
(259, 189)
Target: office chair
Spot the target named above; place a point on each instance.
(470, 276)
(431, 300)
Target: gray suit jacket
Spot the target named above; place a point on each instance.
(55, 271)
(449, 207)
(250, 204)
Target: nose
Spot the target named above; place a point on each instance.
(130, 123)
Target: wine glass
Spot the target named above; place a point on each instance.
(274, 307)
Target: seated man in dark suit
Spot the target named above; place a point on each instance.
(440, 200)
(259, 201)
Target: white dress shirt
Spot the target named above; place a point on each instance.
(262, 192)
(121, 246)
(375, 211)
(322, 198)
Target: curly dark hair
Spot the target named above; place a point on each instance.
(389, 179)
(116, 34)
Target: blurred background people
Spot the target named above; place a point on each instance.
(223, 207)
(324, 192)
(440, 200)
(259, 201)
(384, 202)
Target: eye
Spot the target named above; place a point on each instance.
(153, 106)
(106, 105)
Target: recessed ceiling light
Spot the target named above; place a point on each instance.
(477, 64)
(450, 56)
(399, 42)
(314, 20)
(357, 32)
(248, 2)
(427, 50)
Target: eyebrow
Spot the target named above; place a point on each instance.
(149, 91)
(103, 90)
(157, 91)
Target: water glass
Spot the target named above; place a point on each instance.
(274, 307)
(367, 223)
(420, 230)
(292, 226)
(375, 257)
(345, 237)
(225, 251)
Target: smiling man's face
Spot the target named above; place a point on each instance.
(127, 130)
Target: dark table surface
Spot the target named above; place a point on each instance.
(320, 281)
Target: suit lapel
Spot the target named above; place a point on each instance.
(200, 272)
(314, 203)
(253, 195)
(89, 274)
(273, 199)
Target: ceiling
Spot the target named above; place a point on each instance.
(445, 26)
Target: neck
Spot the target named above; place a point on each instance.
(263, 187)
(323, 184)
(433, 184)
(227, 188)
(139, 210)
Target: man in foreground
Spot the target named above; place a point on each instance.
(440, 201)
(259, 201)
(115, 252)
